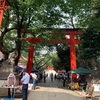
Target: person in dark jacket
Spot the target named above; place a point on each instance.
(64, 80)
(51, 76)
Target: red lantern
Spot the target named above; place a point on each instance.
(3, 7)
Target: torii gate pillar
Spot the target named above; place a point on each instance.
(30, 59)
(72, 41)
(31, 52)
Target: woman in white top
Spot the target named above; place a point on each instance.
(34, 77)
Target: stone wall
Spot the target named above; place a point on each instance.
(5, 69)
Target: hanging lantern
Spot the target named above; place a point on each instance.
(3, 7)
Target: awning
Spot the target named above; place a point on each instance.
(80, 70)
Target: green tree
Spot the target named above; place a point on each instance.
(25, 17)
(91, 37)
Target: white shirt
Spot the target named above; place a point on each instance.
(34, 76)
(25, 79)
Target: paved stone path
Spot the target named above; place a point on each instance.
(52, 91)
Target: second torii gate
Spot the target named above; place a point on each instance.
(4, 4)
(71, 41)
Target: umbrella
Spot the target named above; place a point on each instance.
(61, 71)
(35, 71)
(19, 69)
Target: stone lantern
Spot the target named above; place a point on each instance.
(3, 7)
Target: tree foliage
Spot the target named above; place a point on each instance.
(26, 18)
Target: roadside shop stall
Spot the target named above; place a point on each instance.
(80, 81)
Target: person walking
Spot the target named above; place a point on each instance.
(55, 76)
(64, 80)
(51, 75)
(11, 82)
(34, 77)
(44, 77)
(25, 80)
(41, 76)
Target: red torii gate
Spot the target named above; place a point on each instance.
(4, 4)
(71, 41)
